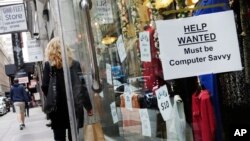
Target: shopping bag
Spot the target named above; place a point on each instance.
(93, 132)
(98, 104)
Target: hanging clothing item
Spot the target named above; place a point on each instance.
(233, 85)
(211, 10)
(210, 80)
(203, 121)
(234, 91)
(152, 71)
(131, 117)
(177, 129)
(210, 83)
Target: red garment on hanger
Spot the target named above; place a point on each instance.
(203, 117)
(152, 71)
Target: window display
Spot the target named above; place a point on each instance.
(137, 102)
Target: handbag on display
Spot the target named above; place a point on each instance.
(93, 132)
(149, 101)
(98, 104)
(92, 129)
(50, 101)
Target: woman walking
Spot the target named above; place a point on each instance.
(60, 117)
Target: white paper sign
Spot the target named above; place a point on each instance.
(104, 11)
(121, 48)
(127, 88)
(109, 74)
(199, 45)
(35, 52)
(145, 46)
(101, 94)
(23, 80)
(128, 100)
(37, 96)
(12, 18)
(113, 112)
(164, 103)
(145, 122)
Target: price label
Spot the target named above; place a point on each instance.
(121, 48)
(109, 73)
(145, 46)
(164, 103)
(128, 100)
(101, 94)
(113, 112)
(127, 88)
(104, 11)
(145, 122)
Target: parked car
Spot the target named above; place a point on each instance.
(8, 104)
(3, 108)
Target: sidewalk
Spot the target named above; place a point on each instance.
(35, 130)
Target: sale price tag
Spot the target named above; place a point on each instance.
(145, 46)
(121, 48)
(113, 112)
(109, 74)
(128, 100)
(146, 127)
(164, 103)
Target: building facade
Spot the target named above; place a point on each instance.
(6, 55)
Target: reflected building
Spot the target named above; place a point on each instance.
(6, 57)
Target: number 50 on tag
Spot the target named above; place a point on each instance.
(163, 101)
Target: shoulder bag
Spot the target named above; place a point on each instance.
(50, 102)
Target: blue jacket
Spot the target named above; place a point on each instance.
(18, 93)
(210, 80)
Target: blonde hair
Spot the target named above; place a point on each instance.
(54, 55)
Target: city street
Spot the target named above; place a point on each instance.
(35, 130)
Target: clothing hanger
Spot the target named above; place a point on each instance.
(198, 90)
(172, 92)
(199, 86)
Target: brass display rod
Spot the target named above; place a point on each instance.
(195, 8)
(85, 5)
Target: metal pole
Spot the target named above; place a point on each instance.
(85, 5)
(67, 78)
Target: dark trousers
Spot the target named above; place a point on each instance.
(13, 107)
(60, 134)
(27, 113)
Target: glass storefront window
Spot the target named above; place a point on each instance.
(136, 102)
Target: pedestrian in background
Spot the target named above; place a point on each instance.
(27, 103)
(60, 117)
(18, 97)
(13, 107)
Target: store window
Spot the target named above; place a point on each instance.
(138, 101)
